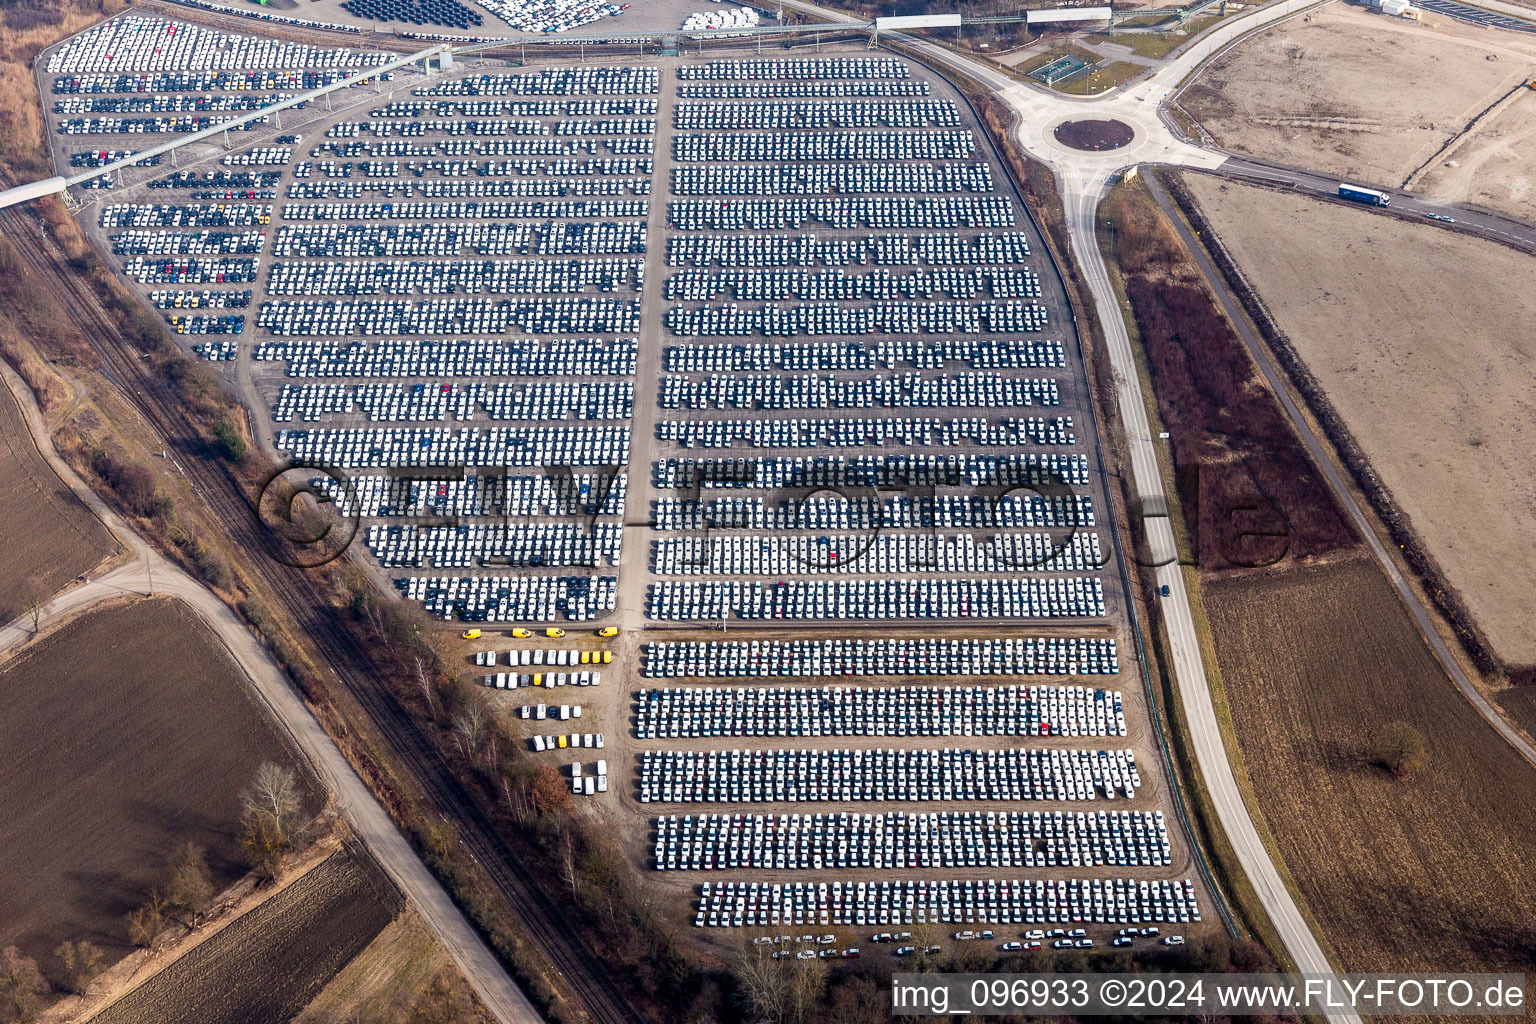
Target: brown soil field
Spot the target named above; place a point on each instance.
(1376, 98)
(122, 734)
(1421, 338)
(1430, 873)
(263, 968)
(402, 976)
(50, 536)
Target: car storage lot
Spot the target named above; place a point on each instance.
(656, 345)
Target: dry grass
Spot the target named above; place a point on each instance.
(1412, 332)
(25, 30)
(1427, 874)
(402, 976)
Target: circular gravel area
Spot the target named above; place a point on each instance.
(1094, 136)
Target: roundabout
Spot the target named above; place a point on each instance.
(1094, 135)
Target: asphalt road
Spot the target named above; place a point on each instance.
(149, 573)
(1481, 222)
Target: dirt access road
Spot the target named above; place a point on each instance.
(149, 573)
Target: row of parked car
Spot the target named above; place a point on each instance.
(972, 471)
(421, 403)
(453, 277)
(366, 317)
(221, 181)
(864, 432)
(185, 215)
(470, 446)
(917, 775)
(455, 357)
(496, 544)
(942, 839)
(866, 656)
(493, 494)
(538, 209)
(789, 116)
(770, 285)
(909, 390)
(490, 238)
(874, 354)
(216, 298)
(823, 318)
(137, 42)
(841, 212)
(790, 70)
(262, 156)
(1002, 510)
(807, 250)
(784, 146)
(831, 88)
(161, 270)
(909, 902)
(576, 80)
(1033, 597)
(187, 243)
(192, 80)
(823, 179)
(735, 711)
(419, 107)
(524, 598)
(722, 554)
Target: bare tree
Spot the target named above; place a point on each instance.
(35, 612)
(568, 862)
(761, 979)
(82, 962)
(469, 728)
(191, 885)
(424, 682)
(148, 921)
(272, 817)
(855, 1001)
(20, 983)
(807, 984)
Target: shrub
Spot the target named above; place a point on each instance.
(1400, 749)
(231, 443)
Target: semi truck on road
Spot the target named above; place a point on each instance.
(1363, 195)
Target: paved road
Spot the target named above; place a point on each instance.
(1483, 222)
(1319, 450)
(148, 572)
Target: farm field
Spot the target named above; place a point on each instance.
(1375, 98)
(50, 536)
(1380, 309)
(122, 735)
(1423, 874)
(402, 975)
(267, 965)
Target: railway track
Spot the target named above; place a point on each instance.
(573, 959)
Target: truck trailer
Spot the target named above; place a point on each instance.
(1357, 194)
